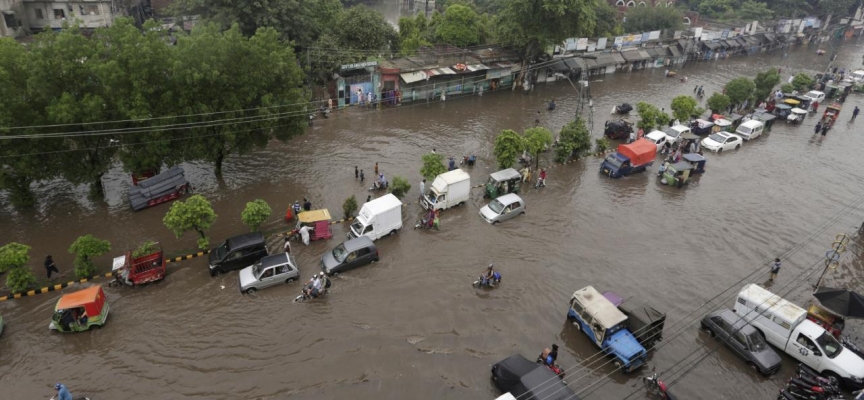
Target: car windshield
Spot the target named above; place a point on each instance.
(357, 226)
(496, 206)
(757, 343)
(339, 253)
(222, 250)
(745, 130)
(614, 161)
(717, 138)
(256, 269)
(812, 95)
(831, 346)
(671, 132)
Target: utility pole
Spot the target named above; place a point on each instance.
(832, 257)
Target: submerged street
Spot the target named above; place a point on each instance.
(411, 326)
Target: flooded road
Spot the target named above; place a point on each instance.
(411, 326)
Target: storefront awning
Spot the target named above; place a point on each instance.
(559, 66)
(411, 77)
(769, 37)
(634, 55)
(673, 50)
(655, 52)
(711, 45)
(618, 58)
(576, 63)
(477, 67)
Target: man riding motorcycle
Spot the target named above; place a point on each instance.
(488, 275)
(381, 182)
(313, 287)
(62, 392)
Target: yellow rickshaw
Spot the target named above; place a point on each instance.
(318, 220)
(792, 102)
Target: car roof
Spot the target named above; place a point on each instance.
(656, 134)
(245, 240)
(752, 123)
(509, 199)
(505, 174)
(357, 243)
(275, 259)
(815, 92)
(599, 307)
(680, 128)
(735, 321)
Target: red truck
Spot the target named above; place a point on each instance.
(148, 266)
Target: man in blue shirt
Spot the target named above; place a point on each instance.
(62, 392)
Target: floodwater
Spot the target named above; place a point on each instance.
(411, 326)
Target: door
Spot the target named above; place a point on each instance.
(364, 256)
(250, 256)
(803, 349)
(283, 272)
(369, 231)
(757, 131)
(233, 261)
(352, 260)
(267, 278)
(739, 345)
(441, 203)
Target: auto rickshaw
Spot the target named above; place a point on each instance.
(766, 118)
(804, 102)
(143, 265)
(831, 113)
(78, 311)
(796, 116)
(318, 220)
(702, 127)
(723, 124)
(678, 174)
(791, 101)
(502, 182)
(782, 110)
(697, 160)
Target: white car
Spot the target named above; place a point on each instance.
(674, 133)
(657, 137)
(717, 142)
(815, 95)
(858, 76)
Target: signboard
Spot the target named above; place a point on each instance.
(645, 36)
(676, 35)
(697, 32)
(570, 44)
(581, 44)
(360, 65)
(654, 35)
(628, 40)
(725, 34)
(601, 43)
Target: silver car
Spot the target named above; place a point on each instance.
(503, 208)
(270, 271)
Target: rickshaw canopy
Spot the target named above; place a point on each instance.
(689, 136)
(783, 106)
(797, 110)
(505, 175)
(600, 308)
(722, 122)
(308, 217)
(791, 102)
(680, 166)
(92, 299)
(693, 157)
(702, 124)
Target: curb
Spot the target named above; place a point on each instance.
(53, 288)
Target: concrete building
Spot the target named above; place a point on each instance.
(45, 15)
(14, 22)
(623, 5)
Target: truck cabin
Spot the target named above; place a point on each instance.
(616, 161)
(598, 313)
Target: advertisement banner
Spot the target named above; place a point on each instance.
(601, 43)
(581, 44)
(725, 34)
(654, 35)
(645, 36)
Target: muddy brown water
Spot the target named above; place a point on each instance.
(411, 326)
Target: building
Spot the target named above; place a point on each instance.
(13, 23)
(47, 15)
(623, 5)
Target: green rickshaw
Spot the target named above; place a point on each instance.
(502, 182)
(678, 174)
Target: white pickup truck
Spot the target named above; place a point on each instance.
(785, 325)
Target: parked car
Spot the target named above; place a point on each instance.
(659, 138)
(674, 132)
(350, 254)
(815, 95)
(503, 208)
(750, 130)
(743, 339)
(618, 129)
(237, 252)
(719, 141)
(270, 271)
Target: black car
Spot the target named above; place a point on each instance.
(618, 130)
(237, 252)
(743, 339)
(350, 254)
(526, 380)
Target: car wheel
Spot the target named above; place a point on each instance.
(719, 150)
(709, 331)
(251, 290)
(289, 280)
(737, 147)
(495, 222)
(831, 375)
(522, 213)
(754, 367)
(393, 232)
(618, 365)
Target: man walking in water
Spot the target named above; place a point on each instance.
(855, 112)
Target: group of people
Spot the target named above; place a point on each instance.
(317, 285)
(699, 90)
(526, 176)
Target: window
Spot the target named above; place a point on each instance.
(10, 20)
(806, 342)
(367, 230)
(235, 255)
(92, 9)
(577, 308)
(739, 338)
(619, 3)
(268, 273)
(631, 4)
(59, 13)
(39, 14)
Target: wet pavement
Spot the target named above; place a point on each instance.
(411, 326)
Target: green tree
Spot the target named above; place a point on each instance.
(790, 8)
(459, 27)
(349, 207)
(222, 70)
(803, 82)
(255, 213)
(716, 8)
(607, 21)
(85, 248)
(20, 279)
(718, 103)
(301, 22)
(683, 107)
(739, 90)
(508, 146)
(13, 259)
(650, 117)
(574, 140)
(765, 83)
(837, 8)
(536, 140)
(362, 28)
(644, 19)
(399, 187)
(602, 144)
(194, 214)
(754, 10)
(433, 165)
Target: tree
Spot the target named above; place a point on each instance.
(433, 165)
(13, 259)
(399, 187)
(255, 213)
(193, 214)
(765, 83)
(459, 27)
(754, 10)
(349, 206)
(602, 144)
(85, 248)
(644, 19)
(739, 90)
(574, 140)
(787, 88)
(839, 8)
(790, 8)
(20, 279)
(716, 8)
(222, 70)
(718, 102)
(362, 28)
(536, 140)
(301, 22)
(650, 117)
(683, 107)
(803, 82)
(607, 21)
(508, 146)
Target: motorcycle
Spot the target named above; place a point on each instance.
(805, 386)
(823, 385)
(804, 394)
(378, 186)
(540, 183)
(325, 112)
(425, 223)
(804, 370)
(311, 119)
(656, 386)
(306, 292)
(554, 367)
(490, 283)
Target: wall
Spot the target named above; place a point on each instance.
(101, 14)
(12, 18)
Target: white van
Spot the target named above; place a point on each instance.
(378, 218)
(449, 189)
(750, 129)
(858, 76)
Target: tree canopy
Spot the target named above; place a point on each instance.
(739, 90)
(574, 140)
(433, 165)
(718, 102)
(683, 107)
(533, 24)
(193, 214)
(644, 19)
(765, 83)
(460, 26)
(255, 213)
(508, 146)
(650, 117)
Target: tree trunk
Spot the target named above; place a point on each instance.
(200, 233)
(218, 163)
(97, 188)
